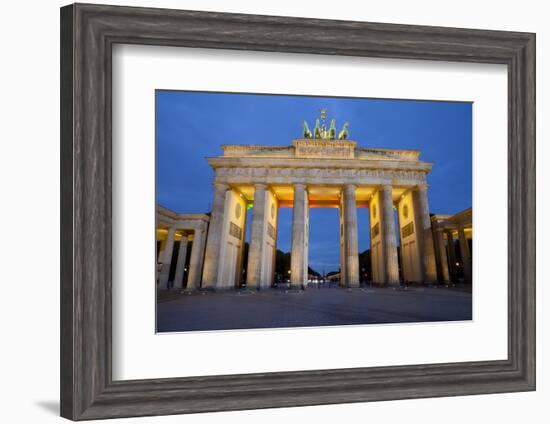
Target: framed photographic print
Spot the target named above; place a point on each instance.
(264, 212)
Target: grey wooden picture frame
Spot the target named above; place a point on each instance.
(88, 33)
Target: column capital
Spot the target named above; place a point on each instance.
(386, 187)
(221, 186)
(422, 187)
(260, 186)
(350, 187)
(299, 186)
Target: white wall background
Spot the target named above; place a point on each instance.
(29, 218)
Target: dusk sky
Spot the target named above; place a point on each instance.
(192, 125)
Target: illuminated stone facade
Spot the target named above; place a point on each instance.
(326, 173)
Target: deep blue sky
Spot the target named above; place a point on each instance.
(191, 126)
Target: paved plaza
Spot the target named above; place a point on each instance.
(278, 308)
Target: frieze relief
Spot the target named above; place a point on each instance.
(323, 175)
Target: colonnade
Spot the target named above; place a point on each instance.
(188, 228)
(225, 243)
(447, 229)
(195, 261)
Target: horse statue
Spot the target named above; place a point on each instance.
(317, 129)
(344, 134)
(332, 130)
(307, 132)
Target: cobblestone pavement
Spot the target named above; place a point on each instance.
(276, 308)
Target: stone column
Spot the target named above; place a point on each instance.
(167, 259)
(298, 254)
(400, 247)
(196, 259)
(442, 254)
(160, 250)
(424, 228)
(212, 254)
(180, 264)
(389, 244)
(465, 253)
(274, 259)
(342, 281)
(306, 240)
(240, 259)
(257, 242)
(351, 244)
(451, 254)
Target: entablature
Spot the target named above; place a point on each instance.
(193, 221)
(319, 176)
(321, 163)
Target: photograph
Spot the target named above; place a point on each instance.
(284, 210)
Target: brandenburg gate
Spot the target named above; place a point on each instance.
(322, 169)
